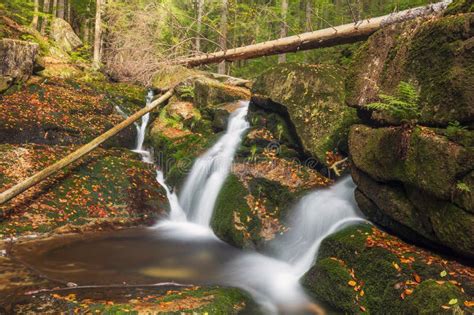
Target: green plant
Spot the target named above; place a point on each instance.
(463, 187)
(253, 153)
(186, 91)
(403, 105)
(455, 128)
(280, 130)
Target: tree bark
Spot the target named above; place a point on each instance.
(34, 22)
(308, 16)
(221, 69)
(74, 156)
(200, 8)
(45, 19)
(283, 27)
(343, 34)
(97, 35)
(69, 11)
(55, 9)
(61, 9)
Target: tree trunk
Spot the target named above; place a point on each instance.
(61, 9)
(343, 34)
(54, 13)
(74, 156)
(45, 19)
(69, 16)
(309, 16)
(86, 31)
(200, 8)
(34, 22)
(223, 38)
(283, 27)
(97, 35)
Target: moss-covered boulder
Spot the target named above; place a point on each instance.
(105, 185)
(210, 93)
(415, 181)
(312, 97)
(18, 58)
(364, 270)
(435, 55)
(63, 34)
(418, 157)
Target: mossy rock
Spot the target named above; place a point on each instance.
(312, 97)
(362, 269)
(194, 300)
(238, 217)
(329, 279)
(107, 184)
(230, 202)
(210, 93)
(435, 55)
(430, 296)
(417, 157)
(168, 77)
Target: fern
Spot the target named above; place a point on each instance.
(403, 105)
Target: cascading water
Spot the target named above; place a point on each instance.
(274, 282)
(141, 131)
(209, 172)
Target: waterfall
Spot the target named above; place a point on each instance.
(209, 172)
(314, 217)
(141, 132)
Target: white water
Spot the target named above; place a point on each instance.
(147, 157)
(209, 172)
(274, 282)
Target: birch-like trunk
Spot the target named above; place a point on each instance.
(97, 35)
(221, 69)
(283, 27)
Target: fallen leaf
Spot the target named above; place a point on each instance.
(453, 301)
(443, 273)
(352, 283)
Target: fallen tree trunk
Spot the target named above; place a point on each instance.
(342, 34)
(74, 156)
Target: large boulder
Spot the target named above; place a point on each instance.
(64, 36)
(364, 270)
(312, 97)
(435, 55)
(17, 60)
(416, 182)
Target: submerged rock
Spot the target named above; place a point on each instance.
(312, 98)
(17, 61)
(362, 269)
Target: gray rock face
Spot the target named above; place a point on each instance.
(16, 61)
(64, 36)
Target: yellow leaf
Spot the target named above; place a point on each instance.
(352, 283)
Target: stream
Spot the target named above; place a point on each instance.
(184, 249)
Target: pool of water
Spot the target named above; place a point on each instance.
(133, 256)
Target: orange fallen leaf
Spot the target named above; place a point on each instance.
(469, 303)
(352, 283)
(362, 293)
(408, 291)
(417, 277)
(363, 309)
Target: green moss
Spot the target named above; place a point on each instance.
(381, 271)
(232, 200)
(329, 281)
(429, 296)
(312, 97)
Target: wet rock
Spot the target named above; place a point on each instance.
(435, 55)
(312, 96)
(362, 269)
(211, 93)
(17, 60)
(64, 36)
